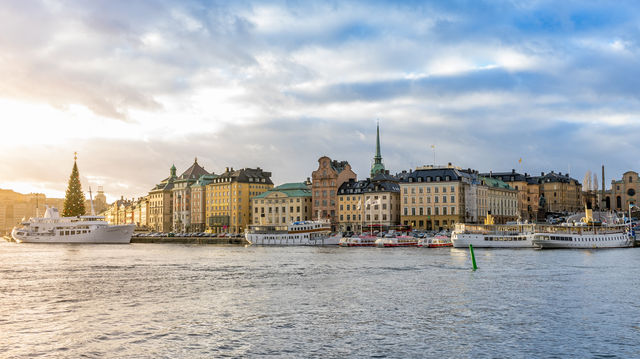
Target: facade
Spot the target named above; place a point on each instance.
(433, 198)
(369, 205)
(228, 198)
(198, 203)
(329, 176)
(181, 192)
(283, 205)
(161, 204)
(561, 193)
(502, 201)
(623, 193)
(527, 197)
(15, 206)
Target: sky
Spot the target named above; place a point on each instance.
(136, 86)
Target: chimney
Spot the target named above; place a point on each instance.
(513, 170)
(541, 173)
(227, 169)
(490, 174)
(560, 173)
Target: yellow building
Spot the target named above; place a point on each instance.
(228, 206)
(432, 198)
(161, 204)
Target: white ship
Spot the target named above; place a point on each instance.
(83, 229)
(586, 234)
(592, 238)
(492, 235)
(302, 233)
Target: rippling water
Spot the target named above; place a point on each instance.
(181, 301)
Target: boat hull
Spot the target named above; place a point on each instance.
(104, 235)
(610, 240)
(462, 240)
(289, 240)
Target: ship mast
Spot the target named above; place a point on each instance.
(93, 211)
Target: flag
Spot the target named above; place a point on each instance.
(359, 204)
(520, 160)
(375, 202)
(433, 146)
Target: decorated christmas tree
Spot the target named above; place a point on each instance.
(74, 199)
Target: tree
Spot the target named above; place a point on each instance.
(74, 199)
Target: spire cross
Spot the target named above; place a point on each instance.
(75, 156)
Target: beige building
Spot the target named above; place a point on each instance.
(501, 200)
(198, 202)
(561, 193)
(228, 198)
(181, 193)
(329, 176)
(15, 206)
(623, 192)
(282, 205)
(433, 198)
(369, 205)
(161, 204)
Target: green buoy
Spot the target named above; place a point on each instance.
(473, 258)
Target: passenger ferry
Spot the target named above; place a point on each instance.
(83, 229)
(397, 241)
(492, 235)
(586, 234)
(435, 242)
(363, 240)
(301, 233)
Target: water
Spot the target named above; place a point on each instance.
(181, 301)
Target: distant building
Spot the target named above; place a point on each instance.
(181, 192)
(561, 193)
(329, 176)
(282, 205)
(228, 198)
(433, 198)
(199, 202)
(161, 204)
(371, 204)
(623, 192)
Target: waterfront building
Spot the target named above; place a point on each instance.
(140, 212)
(181, 193)
(329, 176)
(228, 198)
(561, 193)
(198, 202)
(371, 204)
(527, 196)
(623, 192)
(501, 200)
(433, 198)
(160, 204)
(283, 204)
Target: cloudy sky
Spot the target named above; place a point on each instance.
(136, 86)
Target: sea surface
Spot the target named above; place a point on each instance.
(207, 301)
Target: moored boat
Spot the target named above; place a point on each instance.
(300, 233)
(82, 229)
(397, 241)
(436, 242)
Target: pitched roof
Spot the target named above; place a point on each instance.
(194, 172)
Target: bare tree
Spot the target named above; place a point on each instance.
(586, 182)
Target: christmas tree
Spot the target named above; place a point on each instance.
(74, 199)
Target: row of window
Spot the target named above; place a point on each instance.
(428, 199)
(436, 211)
(436, 189)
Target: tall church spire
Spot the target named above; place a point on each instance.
(377, 166)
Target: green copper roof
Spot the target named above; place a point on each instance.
(377, 166)
(296, 189)
(494, 182)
